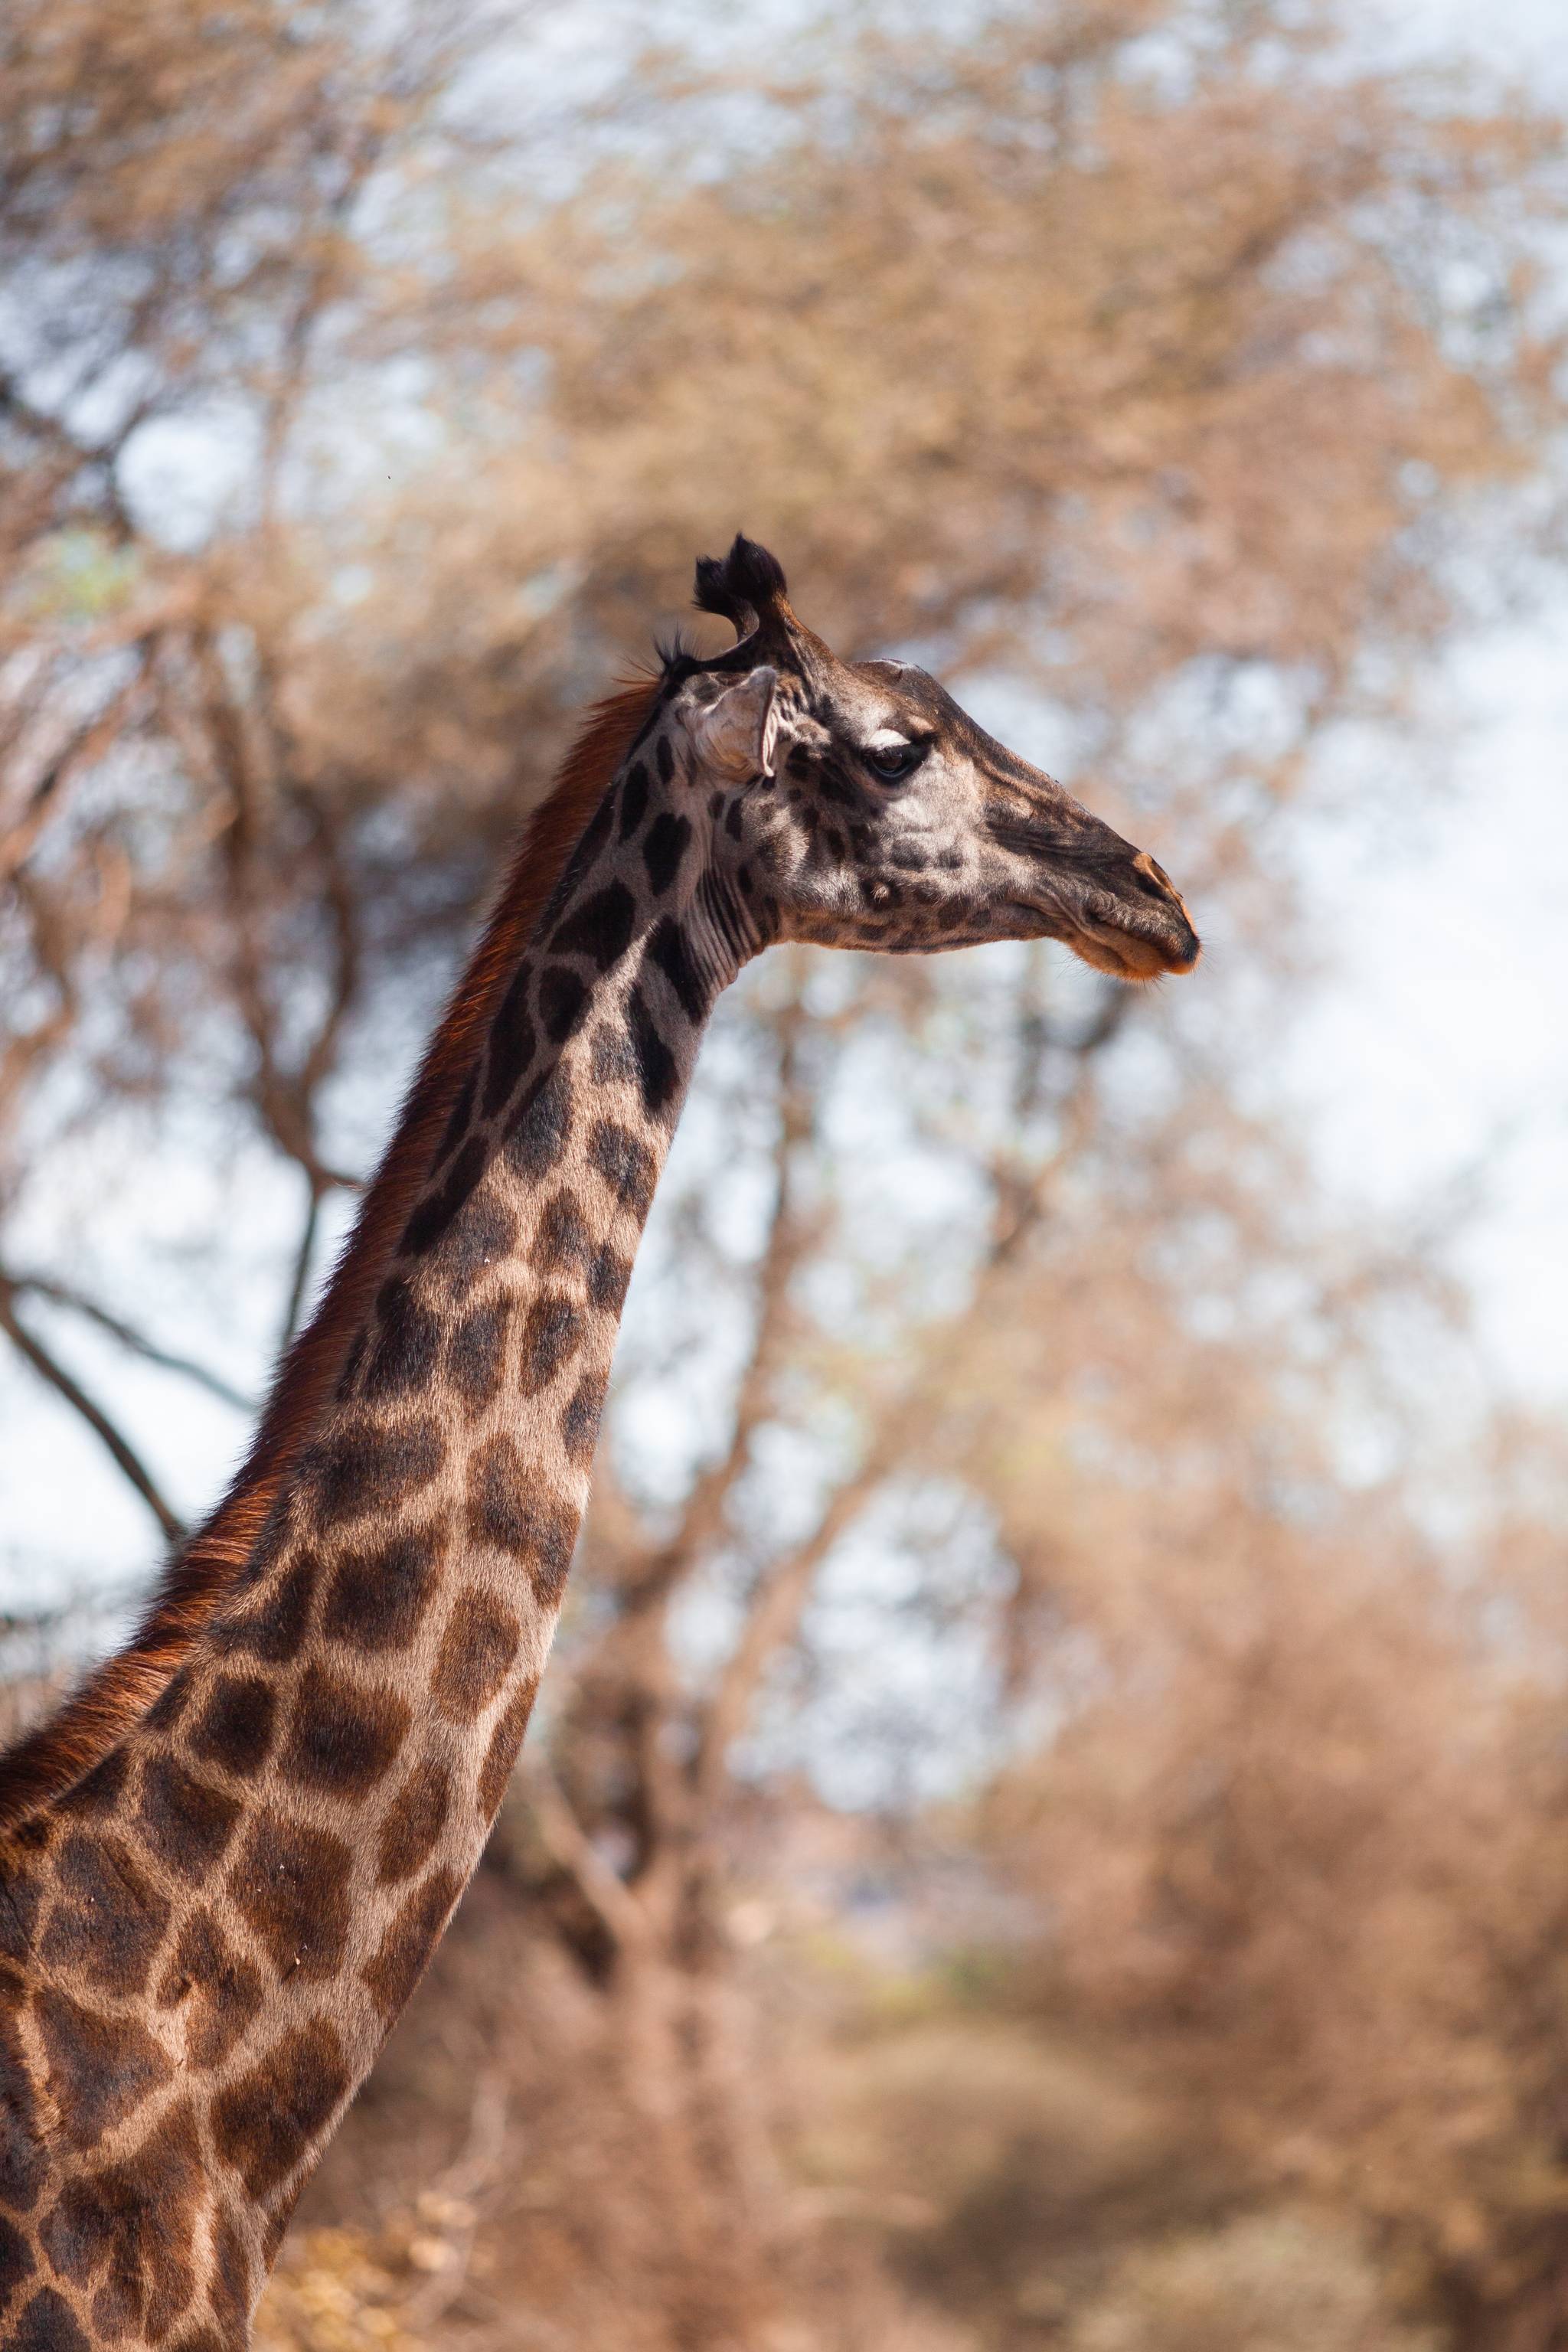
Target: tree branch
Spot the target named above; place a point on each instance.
(606, 1894)
(38, 1285)
(778, 1601)
(303, 1256)
(120, 1447)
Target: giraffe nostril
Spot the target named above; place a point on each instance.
(1152, 879)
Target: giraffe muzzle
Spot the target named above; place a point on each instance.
(1127, 920)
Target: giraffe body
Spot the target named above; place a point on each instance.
(221, 1877)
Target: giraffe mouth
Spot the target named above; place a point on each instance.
(1131, 954)
(1138, 945)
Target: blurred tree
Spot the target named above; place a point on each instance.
(1298, 1823)
(359, 410)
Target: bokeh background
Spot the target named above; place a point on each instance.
(1048, 1830)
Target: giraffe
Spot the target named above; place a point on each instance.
(225, 1863)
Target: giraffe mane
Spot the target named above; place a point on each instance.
(117, 1694)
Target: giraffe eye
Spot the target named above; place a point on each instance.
(893, 762)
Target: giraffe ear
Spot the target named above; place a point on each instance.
(739, 733)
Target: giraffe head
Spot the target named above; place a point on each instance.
(854, 804)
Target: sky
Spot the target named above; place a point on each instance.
(1434, 1060)
(1431, 1056)
(1437, 1054)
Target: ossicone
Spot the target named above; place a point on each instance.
(742, 587)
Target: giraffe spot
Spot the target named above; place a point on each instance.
(535, 1143)
(229, 2286)
(743, 876)
(266, 2123)
(550, 1337)
(23, 2158)
(139, 2215)
(359, 1468)
(657, 1072)
(669, 952)
(47, 2325)
(561, 996)
(487, 1233)
(502, 1510)
(107, 1917)
(185, 1820)
(502, 1753)
(235, 1727)
(82, 2229)
(633, 799)
(208, 2339)
(514, 1041)
(16, 2263)
(403, 1351)
(612, 1064)
(479, 1644)
(600, 929)
(600, 826)
(580, 1422)
(735, 818)
(666, 759)
(476, 1353)
(607, 1279)
(563, 1235)
(21, 1897)
(342, 1740)
(626, 1164)
(223, 1988)
(406, 1949)
(415, 1820)
(669, 839)
(93, 1795)
(100, 2068)
(460, 1116)
(171, 1702)
(290, 1883)
(435, 1214)
(377, 1598)
(273, 1625)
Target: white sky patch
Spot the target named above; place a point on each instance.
(1432, 1058)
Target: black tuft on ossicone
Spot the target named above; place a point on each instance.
(741, 586)
(673, 652)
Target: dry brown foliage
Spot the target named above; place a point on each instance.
(1149, 361)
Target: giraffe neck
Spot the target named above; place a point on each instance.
(220, 1922)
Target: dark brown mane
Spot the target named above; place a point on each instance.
(119, 1693)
